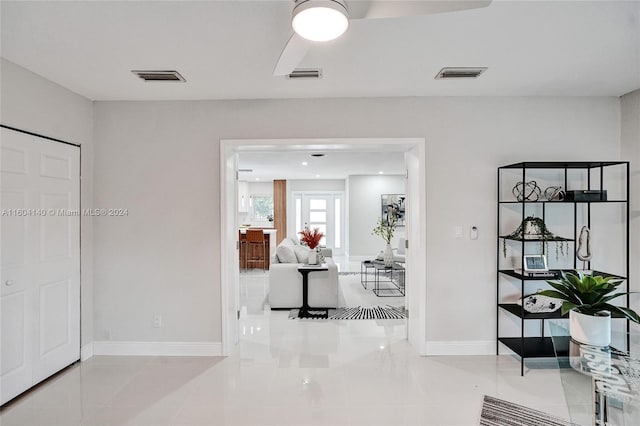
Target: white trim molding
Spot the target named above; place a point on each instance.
(464, 347)
(86, 351)
(158, 348)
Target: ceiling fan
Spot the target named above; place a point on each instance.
(316, 21)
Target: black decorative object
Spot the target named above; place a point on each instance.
(587, 195)
(527, 191)
(576, 209)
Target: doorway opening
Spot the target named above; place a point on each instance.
(333, 216)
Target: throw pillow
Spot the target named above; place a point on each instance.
(285, 254)
(292, 241)
(302, 253)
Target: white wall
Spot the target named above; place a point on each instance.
(630, 150)
(303, 185)
(30, 102)
(365, 211)
(160, 160)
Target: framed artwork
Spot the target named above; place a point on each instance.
(393, 206)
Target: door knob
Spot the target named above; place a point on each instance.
(9, 283)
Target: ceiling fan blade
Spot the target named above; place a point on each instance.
(376, 9)
(292, 54)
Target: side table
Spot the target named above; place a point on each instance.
(305, 270)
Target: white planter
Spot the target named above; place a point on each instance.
(589, 329)
(313, 257)
(388, 256)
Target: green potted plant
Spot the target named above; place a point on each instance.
(385, 230)
(586, 298)
(534, 228)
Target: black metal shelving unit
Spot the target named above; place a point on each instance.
(542, 346)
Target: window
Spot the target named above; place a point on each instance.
(261, 207)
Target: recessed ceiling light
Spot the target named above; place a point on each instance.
(317, 176)
(304, 163)
(257, 178)
(380, 172)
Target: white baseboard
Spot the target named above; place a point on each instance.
(465, 347)
(86, 351)
(158, 348)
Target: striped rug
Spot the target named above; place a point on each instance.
(497, 412)
(374, 312)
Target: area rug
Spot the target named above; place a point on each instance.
(357, 313)
(314, 314)
(374, 312)
(497, 412)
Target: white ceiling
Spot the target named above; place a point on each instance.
(268, 166)
(227, 49)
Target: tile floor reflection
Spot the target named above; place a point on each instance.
(288, 372)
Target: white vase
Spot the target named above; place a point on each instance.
(313, 257)
(388, 256)
(590, 329)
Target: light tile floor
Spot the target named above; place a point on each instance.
(289, 372)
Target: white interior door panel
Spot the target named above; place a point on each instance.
(39, 258)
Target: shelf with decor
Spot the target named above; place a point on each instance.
(533, 206)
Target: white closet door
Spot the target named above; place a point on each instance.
(16, 292)
(45, 317)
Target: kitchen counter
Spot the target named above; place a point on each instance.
(270, 231)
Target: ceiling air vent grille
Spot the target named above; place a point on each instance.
(300, 73)
(159, 75)
(451, 73)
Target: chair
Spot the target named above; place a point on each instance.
(255, 243)
(242, 242)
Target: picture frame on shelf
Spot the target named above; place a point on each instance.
(535, 263)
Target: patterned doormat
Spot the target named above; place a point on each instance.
(360, 313)
(497, 412)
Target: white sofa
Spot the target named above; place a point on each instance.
(285, 282)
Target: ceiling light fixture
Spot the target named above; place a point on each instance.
(320, 20)
(304, 163)
(380, 172)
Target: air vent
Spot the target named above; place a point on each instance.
(159, 75)
(305, 73)
(457, 73)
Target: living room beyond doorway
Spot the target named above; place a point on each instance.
(353, 181)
